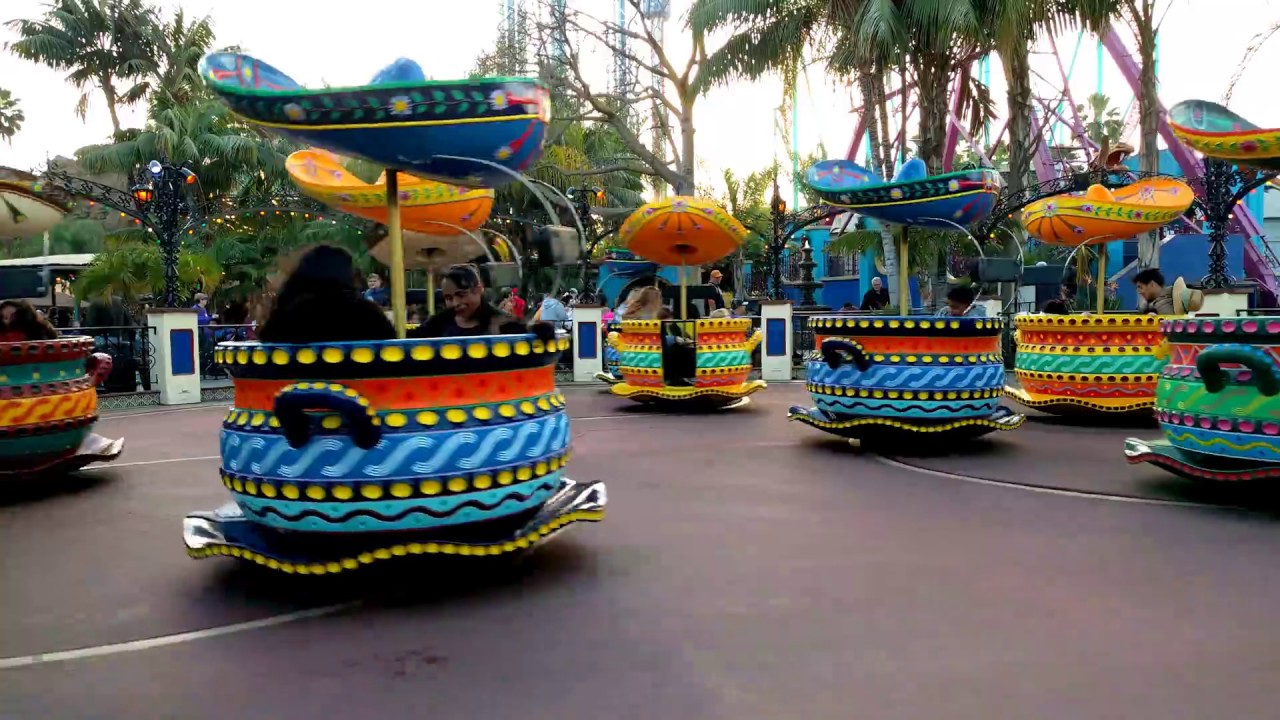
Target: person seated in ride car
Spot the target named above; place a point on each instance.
(321, 301)
(467, 314)
(962, 302)
(21, 322)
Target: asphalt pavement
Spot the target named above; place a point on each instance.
(748, 568)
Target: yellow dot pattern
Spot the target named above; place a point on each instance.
(879, 394)
(992, 324)
(1132, 350)
(240, 353)
(1011, 423)
(726, 393)
(329, 567)
(1087, 322)
(365, 490)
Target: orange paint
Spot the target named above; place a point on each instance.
(418, 393)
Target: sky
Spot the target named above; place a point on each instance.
(1200, 48)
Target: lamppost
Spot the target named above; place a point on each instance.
(785, 225)
(583, 198)
(1224, 188)
(160, 199)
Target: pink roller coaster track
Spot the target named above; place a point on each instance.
(1256, 260)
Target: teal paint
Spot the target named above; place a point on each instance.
(1071, 68)
(1098, 87)
(795, 146)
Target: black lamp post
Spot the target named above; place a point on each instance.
(1224, 188)
(160, 199)
(583, 198)
(778, 211)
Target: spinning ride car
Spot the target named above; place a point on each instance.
(1218, 399)
(338, 455)
(48, 395)
(891, 377)
(711, 356)
(48, 407)
(1105, 362)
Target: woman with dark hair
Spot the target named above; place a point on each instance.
(466, 313)
(320, 301)
(21, 322)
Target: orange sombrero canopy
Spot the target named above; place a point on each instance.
(426, 206)
(682, 231)
(1100, 215)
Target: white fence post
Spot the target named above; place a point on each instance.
(177, 343)
(588, 354)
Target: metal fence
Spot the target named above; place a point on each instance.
(210, 336)
(132, 350)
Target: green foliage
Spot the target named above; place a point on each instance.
(225, 155)
(131, 270)
(1101, 120)
(69, 237)
(248, 258)
(104, 43)
(11, 117)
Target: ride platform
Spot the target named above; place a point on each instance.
(1195, 466)
(227, 531)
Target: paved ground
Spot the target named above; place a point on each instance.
(749, 568)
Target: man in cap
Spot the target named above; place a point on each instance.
(718, 296)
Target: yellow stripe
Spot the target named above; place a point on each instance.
(406, 123)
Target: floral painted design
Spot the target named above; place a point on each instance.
(294, 112)
(400, 105)
(1249, 146)
(504, 152)
(499, 100)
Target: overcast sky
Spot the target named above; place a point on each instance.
(1200, 50)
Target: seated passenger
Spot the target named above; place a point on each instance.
(21, 322)
(643, 304)
(679, 353)
(719, 313)
(467, 314)
(320, 301)
(962, 302)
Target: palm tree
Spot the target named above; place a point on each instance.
(1141, 15)
(104, 43)
(1013, 26)
(174, 73)
(204, 136)
(131, 270)
(1102, 122)
(11, 116)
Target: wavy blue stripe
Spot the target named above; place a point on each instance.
(926, 409)
(1269, 452)
(418, 455)
(908, 377)
(537, 492)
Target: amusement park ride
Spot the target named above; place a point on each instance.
(48, 396)
(342, 454)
